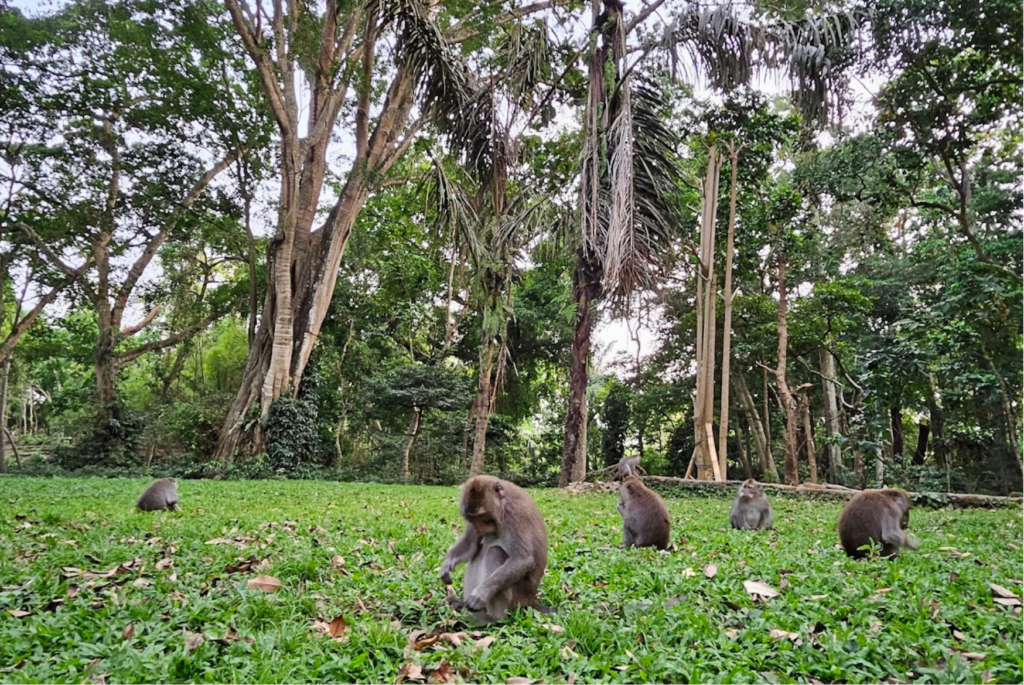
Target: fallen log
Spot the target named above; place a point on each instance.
(819, 491)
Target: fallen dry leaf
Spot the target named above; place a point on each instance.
(972, 656)
(688, 572)
(164, 563)
(756, 588)
(192, 641)
(552, 627)
(959, 636)
(1001, 591)
(568, 654)
(410, 671)
(518, 680)
(783, 583)
(265, 584)
(129, 632)
(19, 613)
(710, 570)
(732, 633)
(777, 634)
(455, 639)
(442, 674)
(484, 642)
(141, 582)
(571, 680)
(337, 628)
(1007, 602)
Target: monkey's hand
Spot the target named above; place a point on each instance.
(911, 541)
(457, 603)
(475, 601)
(446, 572)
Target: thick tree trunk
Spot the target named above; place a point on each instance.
(586, 286)
(410, 437)
(879, 468)
(708, 467)
(785, 396)
(896, 426)
(922, 443)
(812, 458)
(483, 409)
(831, 413)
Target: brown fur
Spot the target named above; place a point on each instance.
(161, 494)
(645, 519)
(630, 466)
(750, 509)
(505, 544)
(876, 517)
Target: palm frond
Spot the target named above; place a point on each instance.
(728, 49)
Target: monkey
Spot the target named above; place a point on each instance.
(506, 546)
(161, 494)
(750, 509)
(645, 519)
(630, 466)
(876, 516)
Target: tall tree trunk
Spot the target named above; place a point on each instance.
(1010, 418)
(812, 457)
(830, 410)
(3, 413)
(896, 425)
(723, 412)
(858, 468)
(410, 437)
(483, 409)
(785, 396)
(761, 442)
(922, 443)
(935, 421)
(748, 469)
(708, 467)
(879, 468)
(586, 286)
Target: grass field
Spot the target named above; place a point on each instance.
(91, 590)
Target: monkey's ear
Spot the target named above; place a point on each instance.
(499, 488)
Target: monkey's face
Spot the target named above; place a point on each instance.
(750, 490)
(480, 507)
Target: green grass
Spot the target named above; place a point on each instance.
(907, 620)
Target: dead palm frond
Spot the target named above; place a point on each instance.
(728, 49)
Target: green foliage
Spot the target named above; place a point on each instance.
(615, 419)
(294, 436)
(621, 614)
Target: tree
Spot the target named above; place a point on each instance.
(113, 168)
(293, 49)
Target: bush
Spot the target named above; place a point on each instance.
(113, 441)
(295, 438)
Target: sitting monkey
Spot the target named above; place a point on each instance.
(506, 546)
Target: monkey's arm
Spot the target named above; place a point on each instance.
(767, 520)
(518, 564)
(461, 552)
(892, 534)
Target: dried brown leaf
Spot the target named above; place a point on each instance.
(192, 641)
(265, 584)
(338, 628)
(442, 674)
(1002, 591)
(756, 588)
(129, 632)
(19, 613)
(484, 642)
(164, 563)
(710, 570)
(410, 671)
(553, 627)
(973, 656)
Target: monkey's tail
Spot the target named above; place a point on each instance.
(547, 611)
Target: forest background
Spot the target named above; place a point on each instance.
(372, 240)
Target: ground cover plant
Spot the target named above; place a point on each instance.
(92, 590)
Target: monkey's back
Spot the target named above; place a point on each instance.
(657, 528)
(161, 494)
(536, 541)
(860, 524)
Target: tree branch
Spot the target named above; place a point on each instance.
(135, 273)
(122, 358)
(460, 33)
(21, 326)
(644, 13)
(148, 319)
(261, 58)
